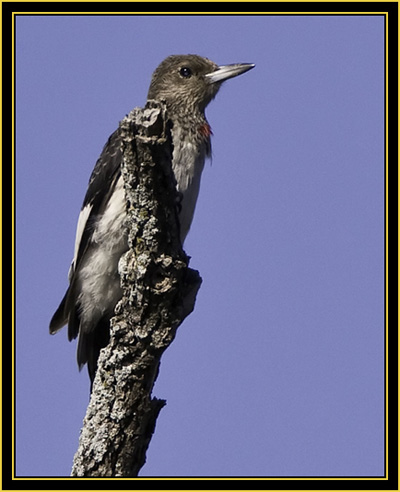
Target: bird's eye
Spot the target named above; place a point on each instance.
(185, 72)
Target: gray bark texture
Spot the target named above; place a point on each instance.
(159, 292)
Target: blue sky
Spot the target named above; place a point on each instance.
(279, 371)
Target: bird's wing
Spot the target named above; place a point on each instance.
(101, 186)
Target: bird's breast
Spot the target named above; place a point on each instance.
(189, 154)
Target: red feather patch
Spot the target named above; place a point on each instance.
(205, 130)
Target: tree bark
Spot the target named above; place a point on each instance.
(159, 292)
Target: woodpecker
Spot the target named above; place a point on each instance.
(187, 83)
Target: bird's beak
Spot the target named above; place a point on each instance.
(225, 72)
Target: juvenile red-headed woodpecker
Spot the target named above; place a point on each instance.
(187, 83)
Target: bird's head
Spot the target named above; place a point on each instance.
(188, 83)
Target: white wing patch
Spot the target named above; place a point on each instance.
(83, 217)
(97, 274)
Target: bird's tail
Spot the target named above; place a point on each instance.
(59, 318)
(91, 341)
